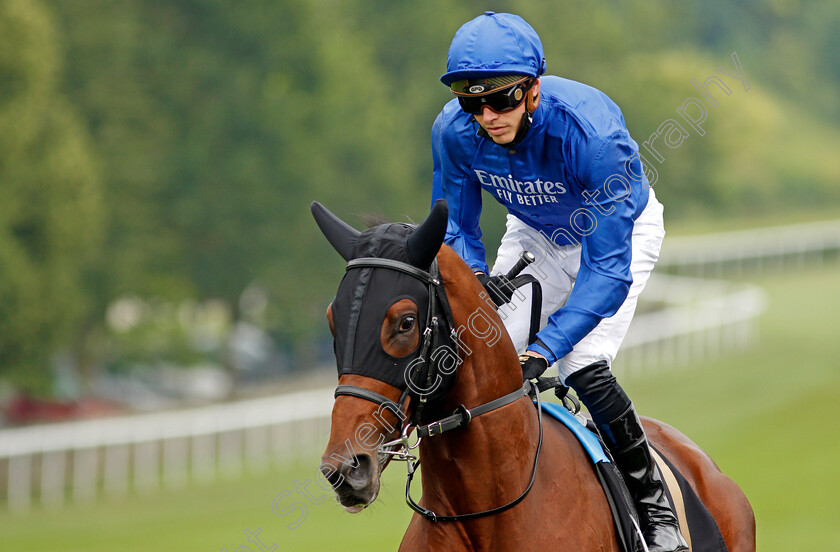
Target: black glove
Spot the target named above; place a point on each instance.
(498, 287)
(532, 366)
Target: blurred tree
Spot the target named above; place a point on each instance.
(218, 122)
(51, 209)
(791, 45)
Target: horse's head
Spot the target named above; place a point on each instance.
(383, 306)
(396, 345)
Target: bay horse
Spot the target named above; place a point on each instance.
(495, 476)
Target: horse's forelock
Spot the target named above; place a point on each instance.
(372, 220)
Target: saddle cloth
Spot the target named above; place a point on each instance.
(696, 523)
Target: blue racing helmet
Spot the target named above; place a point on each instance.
(494, 44)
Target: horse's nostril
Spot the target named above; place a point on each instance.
(359, 475)
(332, 475)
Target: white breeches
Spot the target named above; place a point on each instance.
(556, 268)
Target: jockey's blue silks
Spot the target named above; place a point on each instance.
(574, 174)
(575, 177)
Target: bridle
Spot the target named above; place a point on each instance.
(439, 332)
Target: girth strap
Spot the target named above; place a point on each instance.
(462, 417)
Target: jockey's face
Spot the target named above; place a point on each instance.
(502, 127)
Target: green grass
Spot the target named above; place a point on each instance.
(767, 416)
(215, 518)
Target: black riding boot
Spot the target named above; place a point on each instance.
(613, 413)
(626, 439)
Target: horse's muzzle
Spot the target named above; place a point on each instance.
(356, 484)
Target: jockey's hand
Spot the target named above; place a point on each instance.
(533, 365)
(498, 287)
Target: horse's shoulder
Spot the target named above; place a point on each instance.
(420, 536)
(565, 444)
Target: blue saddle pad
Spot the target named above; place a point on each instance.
(589, 441)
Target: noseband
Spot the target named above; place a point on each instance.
(439, 323)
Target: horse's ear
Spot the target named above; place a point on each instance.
(341, 235)
(424, 243)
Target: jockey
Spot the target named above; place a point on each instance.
(557, 154)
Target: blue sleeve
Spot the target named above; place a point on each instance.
(604, 277)
(451, 181)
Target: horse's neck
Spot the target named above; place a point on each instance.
(489, 463)
(490, 367)
(481, 467)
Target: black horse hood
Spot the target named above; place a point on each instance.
(366, 293)
(364, 297)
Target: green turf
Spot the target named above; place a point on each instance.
(767, 416)
(215, 518)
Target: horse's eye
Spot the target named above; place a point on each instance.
(407, 323)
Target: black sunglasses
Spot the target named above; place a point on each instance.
(501, 101)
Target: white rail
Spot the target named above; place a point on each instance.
(699, 319)
(733, 253)
(79, 461)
